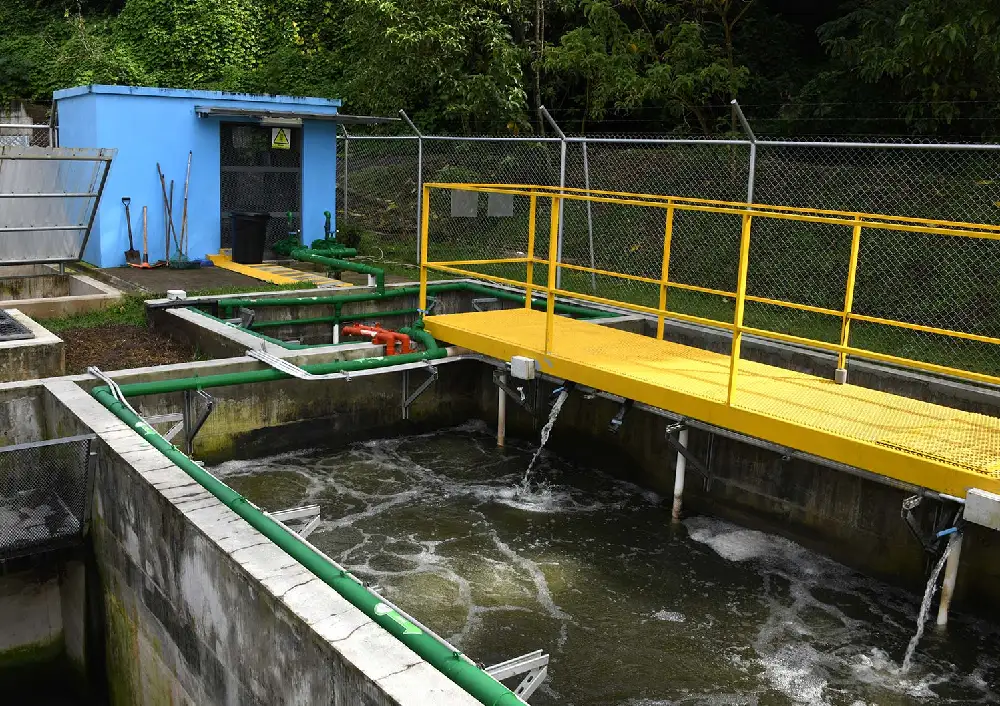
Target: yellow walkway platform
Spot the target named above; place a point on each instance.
(928, 445)
(275, 274)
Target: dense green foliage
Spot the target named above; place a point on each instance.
(483, 66)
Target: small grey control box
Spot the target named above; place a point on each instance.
(522, 367)
(983, 508)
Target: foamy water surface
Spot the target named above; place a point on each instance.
(633, 611)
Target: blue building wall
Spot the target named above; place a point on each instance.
(150, 125)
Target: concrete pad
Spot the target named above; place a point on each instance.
(41, 356)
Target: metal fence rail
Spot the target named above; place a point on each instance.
(44, 495)
(381, 179)
(843, 281)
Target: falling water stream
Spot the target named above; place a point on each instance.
(925, 607)
(546, 432)
(633, 611)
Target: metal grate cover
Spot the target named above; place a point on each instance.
(11, 329)
(43, 495)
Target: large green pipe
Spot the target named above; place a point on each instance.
(472, 679)
(562, 308)
(305, 255)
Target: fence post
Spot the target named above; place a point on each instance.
(420, 175)
(845, 325)
(741, 294)
(550, 301)
(562, 185)
(753, 149)
(668, 233)
(529, 280)
(347, 149)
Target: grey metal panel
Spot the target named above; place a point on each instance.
(500, 205)
(203, 111)
(53, 227)
(464, 204)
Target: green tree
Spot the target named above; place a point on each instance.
(939, 58)
(664, 59)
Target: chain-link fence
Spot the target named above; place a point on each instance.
(44, 495)
(929, 280)
(25, 135)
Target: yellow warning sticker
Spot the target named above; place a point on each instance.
(279, 138)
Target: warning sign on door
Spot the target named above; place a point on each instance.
(280, 138)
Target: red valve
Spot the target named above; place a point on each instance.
(381, 336)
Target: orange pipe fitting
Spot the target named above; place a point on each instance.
(381, 336)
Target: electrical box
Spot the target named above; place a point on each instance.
(983, 508)
(522, 367)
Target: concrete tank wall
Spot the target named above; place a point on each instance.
(200, 608)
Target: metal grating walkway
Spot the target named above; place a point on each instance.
(275, 274)
(928, 445)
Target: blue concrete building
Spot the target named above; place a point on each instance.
(260, 153)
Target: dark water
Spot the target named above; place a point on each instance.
(633, 611)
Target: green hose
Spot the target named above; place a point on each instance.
(472, 679)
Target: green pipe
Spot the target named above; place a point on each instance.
(335, 319)
(472, 679)
(394, 292)
(331, 248)
(304, 255)
(276, 341)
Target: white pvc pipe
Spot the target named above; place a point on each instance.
(679, 476)
(950, 576)
(501, 417)
(336, 334)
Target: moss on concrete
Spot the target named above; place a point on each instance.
(122, 652)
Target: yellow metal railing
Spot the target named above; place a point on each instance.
(749, 214)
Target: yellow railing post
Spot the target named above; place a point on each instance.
(852, 271)
(741, 295)
(425, 214)
(550, 301)
(530, 277)
(668, 232)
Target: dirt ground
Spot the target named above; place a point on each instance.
(160, 279)
(120, 346)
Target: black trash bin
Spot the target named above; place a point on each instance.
(249, 233)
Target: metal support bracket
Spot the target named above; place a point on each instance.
(177, 418)
(410, 397)
(675, 443)
(192, 424)
(501, 380)
(616, 422)
(943, 524)
(477, 304)
(247, 317)
(305, 518)
(535, 665)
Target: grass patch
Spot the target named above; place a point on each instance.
(130, 310)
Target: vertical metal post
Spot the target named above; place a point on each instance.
(425, 212)
(668, 233)
(741, 295)
(550, 302)
(845, 325)
(347, 151)
(562, 185)
(530, 274)
(679, 469)
(590, 217)
(501, 416)
(420, 178)
(950, 577)
(753, 149)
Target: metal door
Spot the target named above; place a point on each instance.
(256, 177)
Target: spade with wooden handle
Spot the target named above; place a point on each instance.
(131, 255)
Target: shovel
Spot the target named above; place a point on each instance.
(131, 255)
